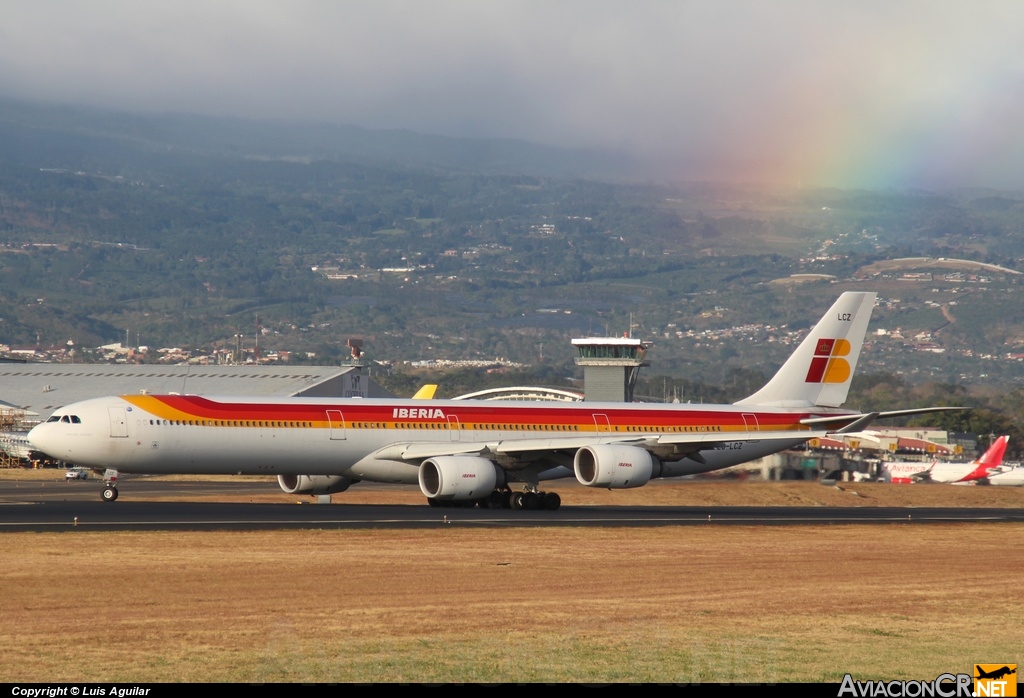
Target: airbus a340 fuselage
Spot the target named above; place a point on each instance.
(382, 440)
(469, 451)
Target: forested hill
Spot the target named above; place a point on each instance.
(182, 231)
(80, 138)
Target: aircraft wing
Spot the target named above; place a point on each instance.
(718, 438)
(420, 451)
(924, 475)
(679, 443)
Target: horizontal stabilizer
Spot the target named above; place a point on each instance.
(858, 425)
(858, 422)
(872, 436)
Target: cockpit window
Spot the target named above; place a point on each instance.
(53, 418)
(66, 419)
(75, 419)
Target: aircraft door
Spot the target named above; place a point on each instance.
(337, 424)
(118, 423)
(602, 424)
(454, 428)
(750, 423)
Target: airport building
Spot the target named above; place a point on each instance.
(611, 366)
(38, 389)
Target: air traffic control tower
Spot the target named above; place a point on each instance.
(610, 366)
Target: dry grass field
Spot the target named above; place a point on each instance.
(726, 604)
(451, 604)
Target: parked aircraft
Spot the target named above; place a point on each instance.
(947, 472)
(1012, 477)
(469, 452)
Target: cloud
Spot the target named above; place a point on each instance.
(868, 94)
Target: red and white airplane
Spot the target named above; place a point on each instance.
(950, 473)
(1010, 477)
(469, 452)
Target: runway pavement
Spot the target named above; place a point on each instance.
(58, 506)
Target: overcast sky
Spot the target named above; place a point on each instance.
(822, 92)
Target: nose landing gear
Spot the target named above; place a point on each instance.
(109, 493)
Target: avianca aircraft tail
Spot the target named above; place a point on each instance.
(990, 460)
(819, 372)
(978, 469)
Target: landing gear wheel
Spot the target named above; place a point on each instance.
(530, 501)
(515, 502)
(433, 502)
(550, 501)
(109, 493)
(493, 501)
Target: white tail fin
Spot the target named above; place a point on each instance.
(819, 372)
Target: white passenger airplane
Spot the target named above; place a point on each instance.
(1012, 477)
(949, 473)
(469, 452)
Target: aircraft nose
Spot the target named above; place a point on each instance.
(41, 438)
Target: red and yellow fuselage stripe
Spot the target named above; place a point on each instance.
(359, 414)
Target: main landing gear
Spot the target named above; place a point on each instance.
(531, 501)
(505, 499)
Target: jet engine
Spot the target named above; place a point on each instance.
(612, 466)
(314, 484)
(459, 477)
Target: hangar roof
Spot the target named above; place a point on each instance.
(42, 388)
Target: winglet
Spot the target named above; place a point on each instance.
(821, 369)
(426, 392)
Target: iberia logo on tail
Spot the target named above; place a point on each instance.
(827, 366)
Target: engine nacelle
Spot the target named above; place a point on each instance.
(612, 466)
(459, 477)
(314, 484)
